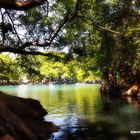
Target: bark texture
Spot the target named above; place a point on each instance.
(20, 4)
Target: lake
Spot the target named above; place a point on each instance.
(82, 113)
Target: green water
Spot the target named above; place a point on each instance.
(82, 113)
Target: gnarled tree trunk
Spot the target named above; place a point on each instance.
(109, 86)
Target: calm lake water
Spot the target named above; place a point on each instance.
(82, 113)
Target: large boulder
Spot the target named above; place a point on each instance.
(22, 119)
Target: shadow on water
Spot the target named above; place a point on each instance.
(119, 119)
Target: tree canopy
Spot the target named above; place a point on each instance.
(29, 31)
(41, 25)
(103, 35)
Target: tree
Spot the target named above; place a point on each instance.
(9, 69)
(29, 31)
(107, 31)
(21, 124)
(119, 52)
(72, 71)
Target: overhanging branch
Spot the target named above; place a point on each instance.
(34, 43)
(20, 4)
(107, 29)
(67, 18)
(23, 52)
(90, 22)
(21, 48)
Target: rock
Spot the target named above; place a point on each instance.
(133, 91)
(22, 119)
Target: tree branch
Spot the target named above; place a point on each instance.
(90, 22)
(21, 49)
(28, 44)
(107, 29)
(14, 29)
(2, 27)
(23, 52)
(20, 4)
(66, 19)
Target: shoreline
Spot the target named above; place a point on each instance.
(49, 84)
(25, 119)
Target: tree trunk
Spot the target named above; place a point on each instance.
(109, 86)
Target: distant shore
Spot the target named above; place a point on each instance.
(54, 83)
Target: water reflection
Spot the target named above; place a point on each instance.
(83, 114)
(135, 102)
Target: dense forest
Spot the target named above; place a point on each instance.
(38, 68)
(82, 40)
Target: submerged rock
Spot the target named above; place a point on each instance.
(22, 119)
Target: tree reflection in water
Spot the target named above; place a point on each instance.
(116, 120)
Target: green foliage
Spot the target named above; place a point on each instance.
(72, 70)
(8, 68)
(29, 67)
(103, 36)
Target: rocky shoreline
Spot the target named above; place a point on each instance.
(22, 119)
